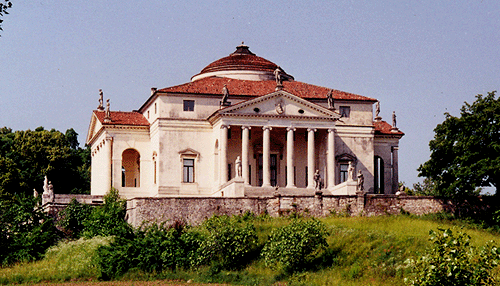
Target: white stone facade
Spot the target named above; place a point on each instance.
(184, 142)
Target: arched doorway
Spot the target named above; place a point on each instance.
(131, 172)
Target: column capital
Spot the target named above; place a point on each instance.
(311, 129)
(108, 138)
(291, 128)
(224, 126)
(267, 128)
(246, 127)
(331, 130)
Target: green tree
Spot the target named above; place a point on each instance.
(452, 260)
(7, 4)
(27, 156)
(108, 218)
(292, 247)
(465, 151)
(26, 231)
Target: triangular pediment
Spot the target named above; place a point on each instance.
(280, 103)
(94, 127)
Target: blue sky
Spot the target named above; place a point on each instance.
(419, 58)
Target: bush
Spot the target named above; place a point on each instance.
(152, 249)
(452, 260)
(72, 218)
(109, 218)
(292, 247)
(26, 230)
(229, 242)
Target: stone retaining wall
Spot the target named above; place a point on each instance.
(194, 210)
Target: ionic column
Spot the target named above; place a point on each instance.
(330, 159)
(223, 154)
(245, 142)
(108, 149)
(289, 158)
(395, 167)
(311, 167)
(266, 154)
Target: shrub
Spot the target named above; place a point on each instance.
(452, 260)
(109, 218)
(152, 249)
(72, 218)
(229, 242)
(293, 246)
(26, 230)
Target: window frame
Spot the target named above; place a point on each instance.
(343, 109)
(190, 107)
(188, 171)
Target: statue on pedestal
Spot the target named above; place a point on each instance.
(361, 182)
(350, 172)
(237, 166)
(317, 181)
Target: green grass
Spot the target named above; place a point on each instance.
(68, 260)
(362, 251)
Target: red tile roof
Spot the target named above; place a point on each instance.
(214, 85)
(384, 128)
(123, 118)
(240, 62)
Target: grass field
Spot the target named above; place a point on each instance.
(362, 251)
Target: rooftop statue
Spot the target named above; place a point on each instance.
(225, 95)
(394, 120)
(279, 79)
(107, 117)
(101, 106)
(329, 97)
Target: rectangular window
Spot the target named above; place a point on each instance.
(188, 105)
(344, 169)
(188, 171)
(345, 111)
(155, 108)
(229, 168)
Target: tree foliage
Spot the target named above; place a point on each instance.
(452, 260)
(291, 248)
(26, 230)
(27, 156)
(465, 151)
(7, 4)
(109, 218)
(229, 242)
(72, 218)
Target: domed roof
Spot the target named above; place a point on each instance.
(242, 64)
